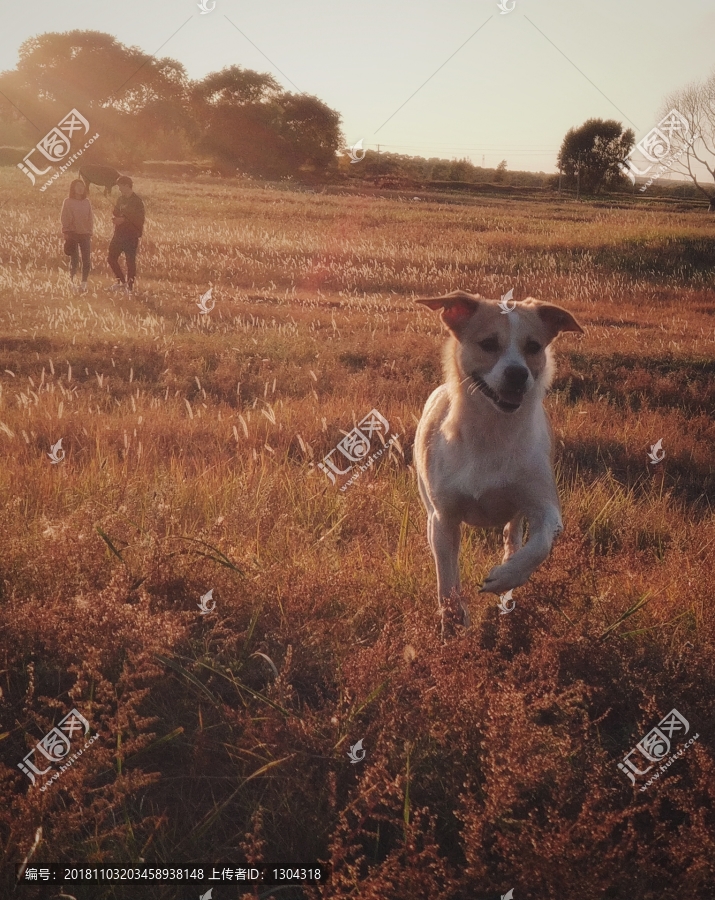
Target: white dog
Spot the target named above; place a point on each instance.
(484, 445)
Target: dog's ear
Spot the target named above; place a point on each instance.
(457, 308)
(555, 318)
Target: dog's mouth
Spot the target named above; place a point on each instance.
(503, 405)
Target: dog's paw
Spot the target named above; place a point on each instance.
(500, 580)
(454, 615)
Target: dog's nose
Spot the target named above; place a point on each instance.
(515, 377)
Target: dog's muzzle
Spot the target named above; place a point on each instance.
(503, 405)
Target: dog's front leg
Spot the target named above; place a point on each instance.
(444, 537)
(544, 526)
(513, 535)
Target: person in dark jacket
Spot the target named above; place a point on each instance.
(128, 219)
(77, 221)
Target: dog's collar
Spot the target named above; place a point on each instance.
(494, 397)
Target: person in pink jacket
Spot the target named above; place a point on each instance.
(77, 221)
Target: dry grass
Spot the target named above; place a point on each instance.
(191, 449)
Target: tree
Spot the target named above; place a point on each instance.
(125, 94)
(250, 124)
(245, 139)
(696, 145)
(500, 172)
(461, 170)
(440, 169)
(239, 114)
(144, 107)
(310, 131)
(235, 86)
(595, 150)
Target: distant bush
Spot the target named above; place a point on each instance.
(483, 187)
(170, 167)
(11, 156)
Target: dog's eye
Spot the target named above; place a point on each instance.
(491, 345)
(532, 347)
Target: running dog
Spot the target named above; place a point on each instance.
(484, 445)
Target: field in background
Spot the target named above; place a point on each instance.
(192, 445)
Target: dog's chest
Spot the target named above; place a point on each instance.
(490, 491)
(492, 509)
(489, 506)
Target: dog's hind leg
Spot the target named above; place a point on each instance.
(513, 536)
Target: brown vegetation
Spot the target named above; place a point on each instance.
(191, 450)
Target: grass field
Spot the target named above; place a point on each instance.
(192, 443)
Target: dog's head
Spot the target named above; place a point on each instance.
(503, 355)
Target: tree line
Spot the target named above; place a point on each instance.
(147, 108)
(242, 121)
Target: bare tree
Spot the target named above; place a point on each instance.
(695, 147)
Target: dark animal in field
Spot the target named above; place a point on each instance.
(104, 176)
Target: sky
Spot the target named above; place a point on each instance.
(448, 78)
